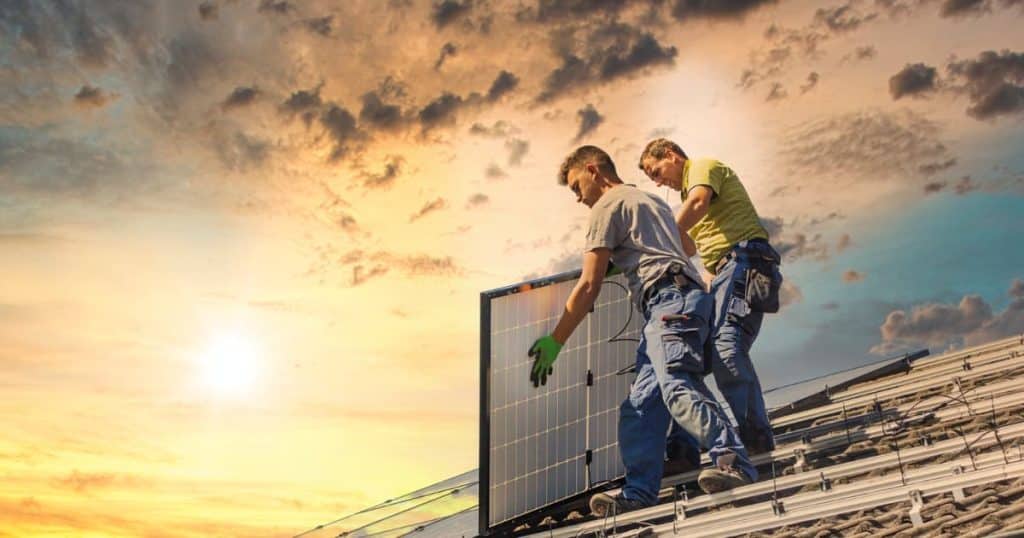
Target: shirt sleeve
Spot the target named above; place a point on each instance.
(605, 229)
(707, 172)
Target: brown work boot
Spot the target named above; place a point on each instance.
(719, 479)
(603, 504)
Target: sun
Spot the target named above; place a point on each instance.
(230, 365)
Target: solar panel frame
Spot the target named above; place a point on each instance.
(587, 453)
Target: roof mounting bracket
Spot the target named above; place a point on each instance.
(826, 484)
(800, 465)
(966, 365)
(916, 504)
(778, 508)
(958, 492)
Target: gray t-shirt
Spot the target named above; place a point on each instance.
(641, 233)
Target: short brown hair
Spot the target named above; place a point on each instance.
(659, 148)
(587, 155)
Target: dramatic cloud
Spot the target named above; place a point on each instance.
(517, 149)
(447, 50)
(448, 11)
(792, 245)
(589, 119)
(429, 207)
(930, 169)
(850, 276)
(207, 11)
(505, 83)
(240, 97)
(304, 103)
(500, 129)
(386, 178)
(320, 25)
(440, 111)
(860, 145)
(914, 80)
(994, 83)
(92, 97)
(277, 7)
(961, 8)
(365, 266)
(611, 51)
(715, 9)
(941, 326)
(341, 126)
(375, 112)
(477, 200)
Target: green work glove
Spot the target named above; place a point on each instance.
(613, 270)
(544, 352)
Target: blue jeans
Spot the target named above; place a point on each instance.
(669, 389)
(735, 327)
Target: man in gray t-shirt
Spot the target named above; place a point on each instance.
(637, 232)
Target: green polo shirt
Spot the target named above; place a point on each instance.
(731, 217)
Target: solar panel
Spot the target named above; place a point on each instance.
(539, 446)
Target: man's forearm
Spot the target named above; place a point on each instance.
(581, 300)
(689, 247)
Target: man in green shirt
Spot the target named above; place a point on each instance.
(718, 221)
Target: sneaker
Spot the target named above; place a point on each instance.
(719, 479)
(603, 504)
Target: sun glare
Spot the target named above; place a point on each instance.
(230, 365)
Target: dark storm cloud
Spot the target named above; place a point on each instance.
(504, 83)
(842, 18)
(341, 127)
(545, 11)
(277, 7)
(914, 80)
(715, 9)
(430, 207)
(994, 83)
(304, 103)
(320, 25)
(941, 325)
(440, 111)
(446, 12)
(962, 8)
(92, 97)
(590, 119)
(517, 149)
(611, 51)
(240, 97)
(208, 11)
(860, 145)
(392, 168)
(448, 49)
(379, 114)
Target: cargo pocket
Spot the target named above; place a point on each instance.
(763, 283)
(683, 350)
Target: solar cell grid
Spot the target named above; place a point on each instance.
(535, 441)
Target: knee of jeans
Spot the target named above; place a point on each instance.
(642, 392)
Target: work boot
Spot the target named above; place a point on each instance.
(603, 504)
(719, 479)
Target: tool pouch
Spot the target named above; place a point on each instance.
(763, 282)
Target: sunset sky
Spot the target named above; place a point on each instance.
(243, 241)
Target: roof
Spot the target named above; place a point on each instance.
(916, 446)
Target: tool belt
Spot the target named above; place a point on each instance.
(761, 282)
(674, 276)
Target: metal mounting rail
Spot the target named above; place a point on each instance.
(909, 455)
(934, 480)
(922, 370)
(908, 387)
